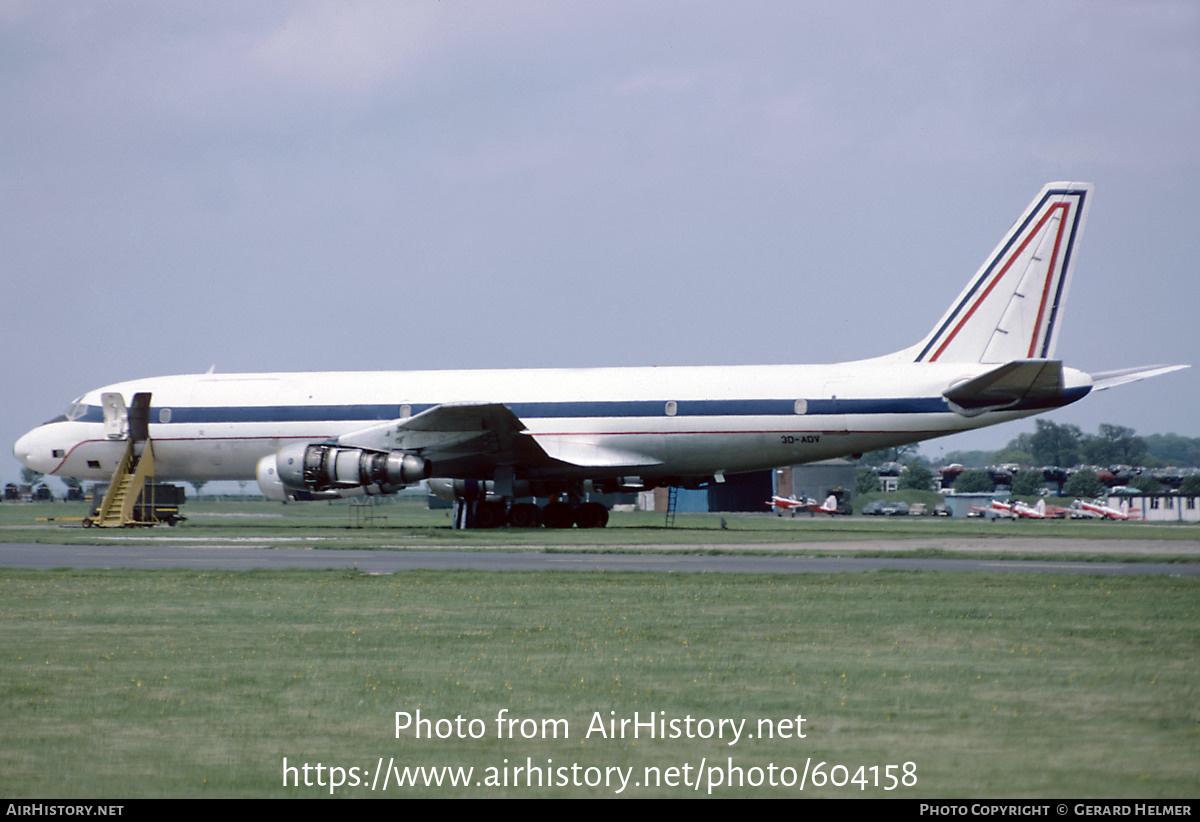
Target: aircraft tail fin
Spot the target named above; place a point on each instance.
(1012, 308)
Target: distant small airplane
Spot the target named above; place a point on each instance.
(804, 504)
(1019, 509)
(781, 504)
(1108, 512)
(1026, 511)
(1039, 511)
(998, 508)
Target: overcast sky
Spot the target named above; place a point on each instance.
(398, 185)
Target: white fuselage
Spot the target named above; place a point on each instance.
(683, 421)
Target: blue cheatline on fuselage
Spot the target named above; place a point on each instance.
(561, 410)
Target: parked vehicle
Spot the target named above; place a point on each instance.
(874, 508)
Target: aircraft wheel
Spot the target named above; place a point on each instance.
(489, 515)
(591, 515)
(557, 515)
(525, 515)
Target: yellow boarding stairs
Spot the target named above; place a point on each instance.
(130, 498)
(126, 487)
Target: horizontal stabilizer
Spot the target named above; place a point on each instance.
(1107, 379)
(1011, 384)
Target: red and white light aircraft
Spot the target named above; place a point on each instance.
(1000, 509)
(781, 504)
(1039, 511)
(804, 504)
(1108, 512)
(1023, 510)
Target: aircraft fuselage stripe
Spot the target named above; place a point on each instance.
(199, 415)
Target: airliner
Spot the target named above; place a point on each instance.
(500, 441)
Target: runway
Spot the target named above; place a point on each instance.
(242, 558)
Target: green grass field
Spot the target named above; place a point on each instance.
(178, 684)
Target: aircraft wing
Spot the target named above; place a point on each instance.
(488, 431)
(1108, 379)
(456, 429)
(590, 454)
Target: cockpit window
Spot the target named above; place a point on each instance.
(75, 410)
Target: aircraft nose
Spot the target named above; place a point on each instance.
(33, 451)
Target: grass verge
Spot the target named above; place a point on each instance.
(187, 684)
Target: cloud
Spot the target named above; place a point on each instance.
(349, 47)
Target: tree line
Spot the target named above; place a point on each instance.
(1067, 445)
(1049, 444)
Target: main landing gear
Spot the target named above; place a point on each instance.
(493, 513)
(514, 502)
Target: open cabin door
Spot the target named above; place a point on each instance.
(116, 417)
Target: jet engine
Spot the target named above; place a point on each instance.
(336, 469)
(268, 479)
